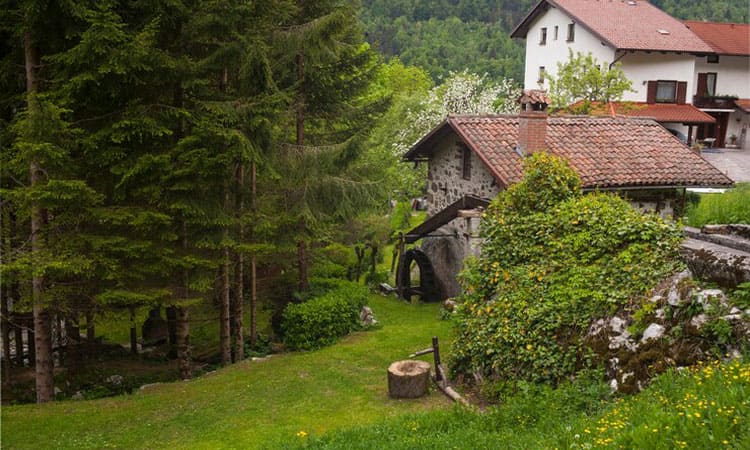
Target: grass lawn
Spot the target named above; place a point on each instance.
(249, 405)
(706, 407)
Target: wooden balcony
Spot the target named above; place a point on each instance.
(714, 102)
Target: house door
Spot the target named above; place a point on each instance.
(717, 131)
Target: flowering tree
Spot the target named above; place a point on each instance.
(460, 93)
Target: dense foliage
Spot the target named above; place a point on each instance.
(730, 207)
(552, 261)
(323, 319)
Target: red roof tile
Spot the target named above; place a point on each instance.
(605, 152)
(724, 38)
(743, 104)
(625, 25)
(660, 112)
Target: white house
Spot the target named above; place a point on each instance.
(670, 62)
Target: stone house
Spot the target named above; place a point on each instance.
(686, 68)
(472, 158)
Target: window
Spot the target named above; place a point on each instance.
(712, 59)
(571, 32)
(554, 35)
(543, 36)
(465, 162)
(666, 92)
(711, 83)
(540, 80)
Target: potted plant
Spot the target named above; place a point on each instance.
(733, 139)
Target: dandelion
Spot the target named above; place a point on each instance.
(302, 434)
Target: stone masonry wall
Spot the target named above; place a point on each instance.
(445, 183)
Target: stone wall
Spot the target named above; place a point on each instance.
(668, 203)
(459, 238)
(445, 182)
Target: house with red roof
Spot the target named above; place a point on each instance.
(472, 158)
(693, 77)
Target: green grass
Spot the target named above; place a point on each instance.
(730, 207)
(251, 404)
(706, 408)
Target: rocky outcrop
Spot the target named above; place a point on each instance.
(720, 253)
(677, 326)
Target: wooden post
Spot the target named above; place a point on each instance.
(399, 281)
(436, 354)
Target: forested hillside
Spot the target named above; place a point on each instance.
(452, 35)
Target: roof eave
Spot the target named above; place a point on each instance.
(640, 187)
(417, 152)
(522, 28)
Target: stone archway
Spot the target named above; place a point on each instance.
(427, 289)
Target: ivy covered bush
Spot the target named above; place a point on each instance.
(322, 319)
(553, 260)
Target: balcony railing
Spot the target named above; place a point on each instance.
(714, 102)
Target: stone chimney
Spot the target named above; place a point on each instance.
(532, 122)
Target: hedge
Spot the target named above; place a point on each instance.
(321, 320)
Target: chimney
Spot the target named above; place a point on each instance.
(532, 122)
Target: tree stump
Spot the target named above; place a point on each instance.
(408, 379)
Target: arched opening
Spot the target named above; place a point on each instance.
(424, 285)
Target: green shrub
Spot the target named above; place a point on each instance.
(552, 261)
(730, 207)
(323, 319)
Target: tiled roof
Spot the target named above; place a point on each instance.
(605, 152)
(533, 96)
(660, 112)
(724, 38)
(743, 104)
(624, 24)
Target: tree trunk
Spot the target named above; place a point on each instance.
(182, 316)
(239, 303)
(18, 339)
(30, 342)
(5, 294)
(300, 100)
(42, 342)
(133, 332)
(171, 313)
(253, 302)
(360, 252)
(408, 379)
(304, 283)
(253, 268)
(72, 347)
(183, 343)
(90, 329)
(5, 325)
(224, 334)
(373, 259)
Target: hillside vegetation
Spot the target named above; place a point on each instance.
(453, 35)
